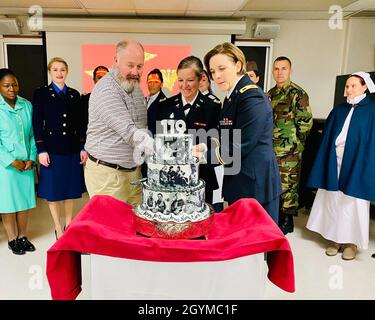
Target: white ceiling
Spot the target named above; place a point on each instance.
(271, 9)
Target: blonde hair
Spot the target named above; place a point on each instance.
(229, 50)
(56, 59)
(193, 63)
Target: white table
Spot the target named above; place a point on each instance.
(117, 278)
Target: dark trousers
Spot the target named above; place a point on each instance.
(272, 207)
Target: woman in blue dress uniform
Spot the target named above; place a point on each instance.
(59, 134)
(197, 110)
(247, 109)
(17, 158)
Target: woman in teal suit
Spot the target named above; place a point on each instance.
(17, 158)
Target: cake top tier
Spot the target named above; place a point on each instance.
(173, 148)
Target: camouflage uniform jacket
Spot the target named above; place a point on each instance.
(292, 118)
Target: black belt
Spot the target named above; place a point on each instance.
(111, 165)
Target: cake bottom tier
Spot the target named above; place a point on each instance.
(169, 205)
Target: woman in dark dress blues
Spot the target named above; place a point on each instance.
(247, 109)
(197, 110)
(58, 128)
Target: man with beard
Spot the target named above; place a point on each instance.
(117, 131)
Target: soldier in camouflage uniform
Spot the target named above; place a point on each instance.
(292, 123)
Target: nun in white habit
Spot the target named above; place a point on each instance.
(344, 171)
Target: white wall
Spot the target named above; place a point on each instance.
(68, 46)
(360, 52)
(316, 53)
(319, 54)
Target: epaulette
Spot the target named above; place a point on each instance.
(249, 86)
(297, 87)
(213, 98)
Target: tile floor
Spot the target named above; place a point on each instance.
(317, 275)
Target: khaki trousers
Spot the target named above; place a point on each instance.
(103, 180)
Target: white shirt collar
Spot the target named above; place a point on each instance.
(234, 86)
(192, 102)
(356, 100)
(151, 99)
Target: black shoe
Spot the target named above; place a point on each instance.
(25, 244)
(287, 225)
(15, 247)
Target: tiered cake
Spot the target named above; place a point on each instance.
(173, 197)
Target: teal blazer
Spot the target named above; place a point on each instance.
(16, 132)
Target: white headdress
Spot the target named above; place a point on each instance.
(367, 78)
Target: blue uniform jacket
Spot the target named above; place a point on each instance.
(58, 122)
(153, 110)
(249, 110)
(357, 174)
(204, 113)
(85, 110)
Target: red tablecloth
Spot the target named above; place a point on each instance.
(105, 227)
